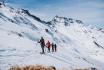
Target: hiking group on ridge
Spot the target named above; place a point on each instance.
(49, 46)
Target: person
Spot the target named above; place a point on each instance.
(53, 47)
(42, 43)
(48, 46)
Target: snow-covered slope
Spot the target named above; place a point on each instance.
(79, 46)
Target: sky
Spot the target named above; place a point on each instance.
(89, 11)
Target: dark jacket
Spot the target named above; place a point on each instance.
(42, 43)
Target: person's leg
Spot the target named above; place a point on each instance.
(55, 49)
(42, 49)
(48, 49)
(52, 49)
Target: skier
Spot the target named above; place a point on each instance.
(48, 46)
(42, 43)
(53, 48)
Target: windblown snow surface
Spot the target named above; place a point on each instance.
(79, 46)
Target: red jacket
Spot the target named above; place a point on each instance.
(48, 44)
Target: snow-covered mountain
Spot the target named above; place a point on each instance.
(79, 46)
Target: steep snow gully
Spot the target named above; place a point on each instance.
(79, 46)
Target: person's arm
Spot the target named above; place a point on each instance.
(39, 41)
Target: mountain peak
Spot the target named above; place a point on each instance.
(64, 20)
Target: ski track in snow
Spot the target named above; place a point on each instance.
(60, 58)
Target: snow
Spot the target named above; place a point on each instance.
(19, 42)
